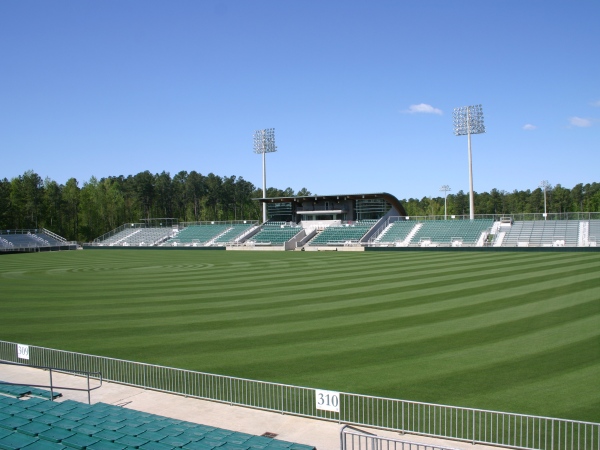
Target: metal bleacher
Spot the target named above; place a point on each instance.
(30, 239)
(594, 232)
(37, 424)
(137, 237)
(542, 233)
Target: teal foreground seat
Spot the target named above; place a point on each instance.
(37, 424)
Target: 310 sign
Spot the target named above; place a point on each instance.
(327, 400)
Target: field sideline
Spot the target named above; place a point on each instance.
(516, 332)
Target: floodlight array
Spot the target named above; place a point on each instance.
(468, 120)
(264, 141)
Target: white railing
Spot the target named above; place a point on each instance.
(462, 424)
(354, 439)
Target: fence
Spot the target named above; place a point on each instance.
(354, 439)
(462, 424)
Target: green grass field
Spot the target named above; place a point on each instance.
(515, 332)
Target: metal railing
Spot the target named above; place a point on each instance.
(52, 386)
(354, 439)
(450, 422)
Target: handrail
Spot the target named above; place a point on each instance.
(51, 386)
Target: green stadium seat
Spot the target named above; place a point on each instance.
(175, 441)
(41, 444)
(109, 435)
(48, 419)
(198, 445)
(4, 400)
(15, 441)
(29, 414)
(12, 409)
(156, 446)
(66, 424)
(14, 391)
(79, 441)
(87, 429)
(33, 428)
(56, 434)
(131, 441)
(4, 416)
(43, 393)
(4, 432)
(106, 445)
(12, 422)
(152, 436)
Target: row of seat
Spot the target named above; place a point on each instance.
(36, 424)
(275, 235)
(341, 234)
(542, 233)
(445, 231)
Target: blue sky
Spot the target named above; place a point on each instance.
(360, 93)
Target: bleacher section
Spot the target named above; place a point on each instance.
(30, 239)
(594, 233)
(209, 234)
(542, 233)
(342, 235)
(138, 237)
(36, 424)
(198, 234)
(275, 234)
(233, 233)
(451, 232)
(396, 232)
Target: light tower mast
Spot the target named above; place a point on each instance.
(264, 142)
(469, 120)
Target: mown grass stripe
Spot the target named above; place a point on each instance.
(418, 325)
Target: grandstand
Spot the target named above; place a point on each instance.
(353, 222)
(33, 240)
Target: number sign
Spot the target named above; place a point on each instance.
(327, 400)
(22, 351)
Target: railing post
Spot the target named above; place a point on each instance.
(51, 387)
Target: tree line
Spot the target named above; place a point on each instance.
(85, 211)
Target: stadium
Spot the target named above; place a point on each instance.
(437, 326)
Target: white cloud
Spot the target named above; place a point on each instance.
(423, 108)
(529, 127)
(596, 103)
(580, 122)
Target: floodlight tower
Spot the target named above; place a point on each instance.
(469, 120)
(264, 142)
(545, 185)
(445, 189)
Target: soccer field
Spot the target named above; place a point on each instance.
(516, 332)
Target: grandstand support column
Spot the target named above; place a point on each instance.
(468, 120)
(264, 142)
